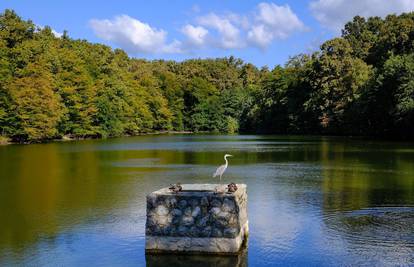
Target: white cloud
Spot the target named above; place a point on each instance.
(273, 22)
(229, 34)
(196, 35)
(266, 23)
(134, 35)
(259, 35)
(334, 14)
(57, 34)
(242, 21)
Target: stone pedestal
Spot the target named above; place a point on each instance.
(197, 219)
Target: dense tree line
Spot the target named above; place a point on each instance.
(361, 83)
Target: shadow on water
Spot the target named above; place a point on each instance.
(162, 260)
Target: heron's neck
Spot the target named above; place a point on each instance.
(227, 163)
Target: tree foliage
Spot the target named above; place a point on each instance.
(358, 84)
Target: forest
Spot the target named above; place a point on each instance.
(359, 84)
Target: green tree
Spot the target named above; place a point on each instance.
(337, 80)
(76, 89)
(37, 106)
(360, 83)
(172, 90)
(273, 102)
(14, 30)
(7, 119)
(362, 35)
(391, 101)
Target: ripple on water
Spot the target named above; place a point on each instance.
(386, 231)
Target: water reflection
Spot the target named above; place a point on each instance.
(368, 203)
(316, 201)
(162, 260)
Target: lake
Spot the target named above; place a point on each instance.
(313, 201)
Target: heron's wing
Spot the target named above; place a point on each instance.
(219, 170)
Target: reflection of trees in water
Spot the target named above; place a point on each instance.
(162, 260)
(354, 179)
(368, 200)
(48, 189)
(41, 185)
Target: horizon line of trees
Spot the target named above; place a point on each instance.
(361, 83)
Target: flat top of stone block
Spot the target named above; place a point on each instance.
(199, 189)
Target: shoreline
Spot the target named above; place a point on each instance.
(70, 138)
(67, 138)
(4, 140)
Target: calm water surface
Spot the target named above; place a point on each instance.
(313, 201)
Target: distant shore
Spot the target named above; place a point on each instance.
(6, 141)
(66, 138)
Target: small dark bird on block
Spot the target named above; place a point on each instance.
(231, 187)
(175, 187)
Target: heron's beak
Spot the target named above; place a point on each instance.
(230, 155)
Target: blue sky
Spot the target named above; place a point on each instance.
(260, 32)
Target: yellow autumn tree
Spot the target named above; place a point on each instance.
(37, 106)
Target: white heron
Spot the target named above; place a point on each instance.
(220, 170)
